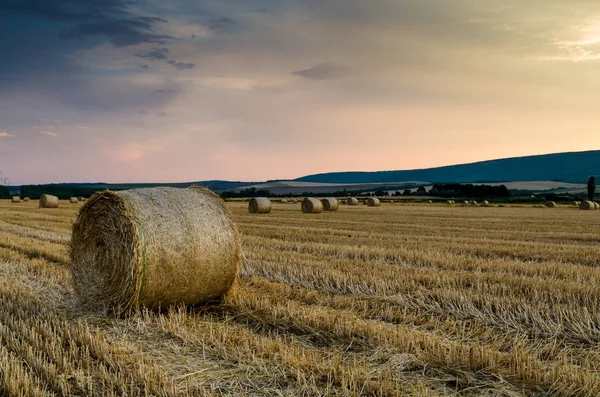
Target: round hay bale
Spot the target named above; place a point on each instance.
(153, 248)
(48, 201)
(15, 199)
(373, 202)
(73, 200)
(485, 203)
(550, 204)
(587, 205)
(312, 205)
(259, 205)
(466, 202)
(352, 201)
(330, 204)
(25, 199)
(430, 202)
(392, 201)
(596, 205)
(284, 200)
(449, 202)
(80, 199)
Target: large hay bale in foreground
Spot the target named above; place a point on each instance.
(73, 200)
(373, 202)
(587, 205)
(259, 205)
(312, 205)
(330, 204)
(352, 201)
(153, 248)
(48, 201)
(15, 199)
(550, 204)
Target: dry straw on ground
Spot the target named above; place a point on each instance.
(48, 201)
(311, 205)
(259, 205)
(15, 199)
(352, 201)
(373, 202)
(550, 204)
(330, 204)
(153, 247)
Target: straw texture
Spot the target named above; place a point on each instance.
(312, 205)
(48, 201)
(330, 204)
(153, 247)
(259, 205)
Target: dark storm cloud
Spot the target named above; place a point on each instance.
(120, 33)
(322, 71)
(105, 18)
(155, 53)
(181, 65)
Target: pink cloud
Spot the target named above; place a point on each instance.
(5, 134)
(49, 133)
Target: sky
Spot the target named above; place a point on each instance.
(187, 90)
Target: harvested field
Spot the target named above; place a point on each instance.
(400, 300)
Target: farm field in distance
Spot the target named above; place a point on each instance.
(400, 300)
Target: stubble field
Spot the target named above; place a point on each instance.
(399, 300)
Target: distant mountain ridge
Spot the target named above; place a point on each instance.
(574, 167)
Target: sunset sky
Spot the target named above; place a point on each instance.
(186, 90)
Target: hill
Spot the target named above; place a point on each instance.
(575, 167)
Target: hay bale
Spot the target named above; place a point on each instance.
(485, 203)
(152, 248)
(587, 205)
(596, 205)
(73, 200)
(373, 202)
(352, 201)
(25, 199)
(550, 204)
(259, 205)
(430, 202)
(284, 200)
(312, 205)
(330, 204)
(80, 199)
(48, 201)
(15, 199)
(449, 202)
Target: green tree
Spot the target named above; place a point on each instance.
(591, 188)
(4, 193)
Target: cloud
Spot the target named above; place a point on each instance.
(322, 71)
(220, 23)
(121, 33)
(4, 134)
(181, 65)
(49, 133)
(133, 152)
(155, 54)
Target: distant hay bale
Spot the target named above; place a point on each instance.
(152, 248)
(430, 201)
(392, 201)
(449, 202)
(485, 203)
(466, 202)
(550, 204)
(48, 201)
(330, 204)
(73, 200)
(80, 199)
(259, 205)
(587, 205)
(25, 199)
(284, 200)
(373, 202)
(15, 199)
(352, 201)
(311, 205)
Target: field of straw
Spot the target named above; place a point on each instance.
(400, 300)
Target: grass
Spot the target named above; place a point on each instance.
(400, 300)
